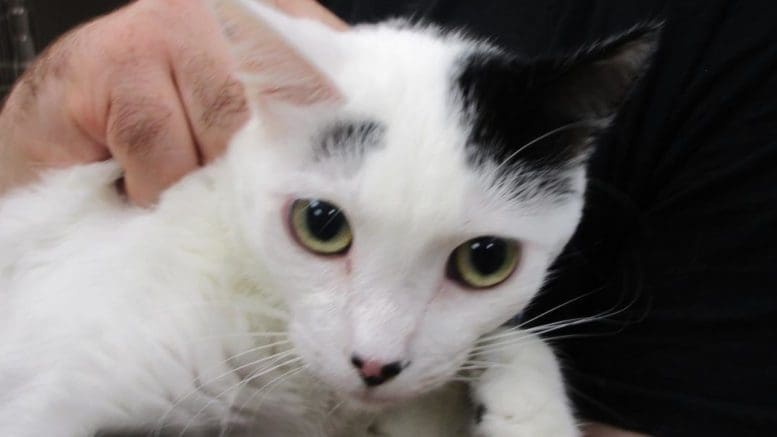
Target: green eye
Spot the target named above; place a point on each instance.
(320, 227)
(483, 262)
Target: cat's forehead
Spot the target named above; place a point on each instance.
(409, 103)
(402, 151)
(396, 172)
(402, 123)
(402, 75)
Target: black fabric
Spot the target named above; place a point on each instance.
(678, 245)
(7, 56)
(55, 17)
(48, 20)
(17, 47)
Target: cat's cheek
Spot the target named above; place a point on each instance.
(319, 339)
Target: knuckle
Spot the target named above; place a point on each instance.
(222, 105)
(136, 124)
(221, 100)
(131, 36)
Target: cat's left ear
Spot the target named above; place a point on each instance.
(554, 104)
(282, 61)
(593, 82)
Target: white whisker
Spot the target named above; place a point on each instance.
(266, 387)
(236, 387)
(178, 401)
(583, 123)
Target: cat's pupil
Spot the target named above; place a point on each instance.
(324, 220)
(488, 255)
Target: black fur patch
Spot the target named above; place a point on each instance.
(480, 411)
(509, 109)
(352, 139)
(539, 116)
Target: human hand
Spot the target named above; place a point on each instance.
(150, 85)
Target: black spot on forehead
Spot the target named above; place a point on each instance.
(512, 129)
(349, 139)
(540, 116)
(513, 123)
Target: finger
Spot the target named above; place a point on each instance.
(310, 9)
(213, 100)
(212, 97)
(148, 133)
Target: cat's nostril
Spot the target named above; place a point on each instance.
(375, 373)
(391, 370)
(373, 381)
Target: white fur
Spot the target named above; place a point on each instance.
(112, 317)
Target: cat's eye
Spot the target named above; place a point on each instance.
(320, 227)
(483, 262)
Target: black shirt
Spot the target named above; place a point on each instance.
(27, 26)
(677, 251)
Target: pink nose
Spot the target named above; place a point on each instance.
(374, 372)
(371, 368)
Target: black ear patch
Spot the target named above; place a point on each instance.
(542, 114)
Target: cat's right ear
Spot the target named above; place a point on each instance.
(282, 61)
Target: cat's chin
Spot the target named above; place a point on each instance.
(369, 400)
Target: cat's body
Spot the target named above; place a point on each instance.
(207, 311)
(149, 344)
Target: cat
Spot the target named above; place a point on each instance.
(344, 270)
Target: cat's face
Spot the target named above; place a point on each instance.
(389, 212)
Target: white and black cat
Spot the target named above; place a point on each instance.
(398, 194)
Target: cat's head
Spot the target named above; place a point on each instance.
(405, 191)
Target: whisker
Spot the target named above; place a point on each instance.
(501, 334)
(556, 308)
(532, 333)
(235, 387)
(517, 336)
(266, 387)
(549, 327)
(601, 316)
(333, 409)
(582, 123)
(178, 401)
(257, 334)
(255, 349)
(250, 335)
